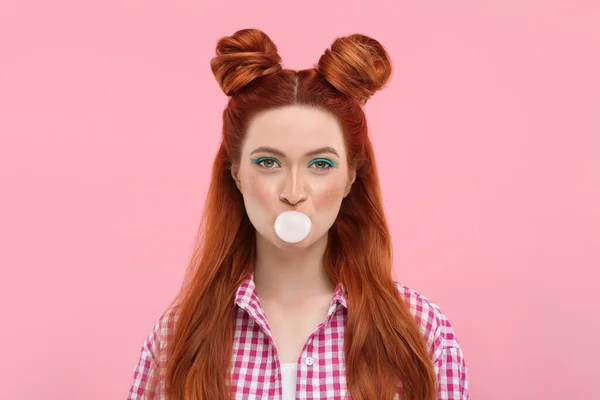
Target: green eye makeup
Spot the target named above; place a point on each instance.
(327, 161)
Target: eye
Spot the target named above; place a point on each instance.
(322, 164)
(261, 161)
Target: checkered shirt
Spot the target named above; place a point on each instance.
(256, 372)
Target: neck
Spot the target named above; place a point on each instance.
(290, 275)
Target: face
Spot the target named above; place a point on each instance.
(293, 158)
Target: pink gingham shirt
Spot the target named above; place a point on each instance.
(256, 372)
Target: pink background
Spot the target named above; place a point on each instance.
(487, 140)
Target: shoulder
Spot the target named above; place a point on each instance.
(152, 359)
(161, 332)
(433, 323)
(166, 321)
(445, 352)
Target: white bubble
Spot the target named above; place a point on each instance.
(292, 226)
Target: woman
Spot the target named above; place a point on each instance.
(264, 316)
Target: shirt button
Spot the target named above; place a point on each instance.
(309, 361)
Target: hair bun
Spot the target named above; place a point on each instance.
(356, 65)
(243, 57)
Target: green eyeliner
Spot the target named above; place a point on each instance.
(333, 164)
(257, 160)
(261, 159)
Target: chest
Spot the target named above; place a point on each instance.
(291, 327)
(315, 342)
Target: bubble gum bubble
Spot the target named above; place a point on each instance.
(292, 226)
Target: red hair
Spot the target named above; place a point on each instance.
(385, 352)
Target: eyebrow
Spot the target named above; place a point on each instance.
(267, 149)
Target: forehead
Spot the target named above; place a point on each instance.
(294, 128)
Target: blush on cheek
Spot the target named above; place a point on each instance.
(258, 191)
(329, 197)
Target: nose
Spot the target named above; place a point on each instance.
(293, 190)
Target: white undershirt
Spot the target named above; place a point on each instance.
(288, 380)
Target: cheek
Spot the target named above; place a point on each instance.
(329, 196)
(259, 191)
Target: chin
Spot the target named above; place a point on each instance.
(293, 246)
(305, 243)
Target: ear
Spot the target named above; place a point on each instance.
(351, 178)
(234, 175)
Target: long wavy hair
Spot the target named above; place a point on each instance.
(385, 353)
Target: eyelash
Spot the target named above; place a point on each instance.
(329, 163)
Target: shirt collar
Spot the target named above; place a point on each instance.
(246, 293)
